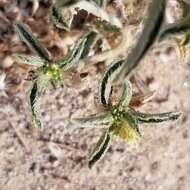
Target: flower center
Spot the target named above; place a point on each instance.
(127, 132)
(125, 126)
(117, 115)
(54, 71)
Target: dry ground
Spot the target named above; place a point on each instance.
(56, 158)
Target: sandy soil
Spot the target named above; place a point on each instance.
(56, 158)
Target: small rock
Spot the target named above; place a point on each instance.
(187, 84)
(7, 62)
(56, 150)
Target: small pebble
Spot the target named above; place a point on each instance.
(56, 150)
(7, 62)
(186, 84)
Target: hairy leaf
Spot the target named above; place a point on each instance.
(149, 34)
(180, 27)
(59, 20)
(74, 55)
(91, 39)
(106, 85)
(94, 121)
(186, 40)
(30, 60)
(127, 94)
(101, 148)
(37, 90)
(157, 118)
(27, 37)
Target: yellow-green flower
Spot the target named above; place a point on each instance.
(126, 132)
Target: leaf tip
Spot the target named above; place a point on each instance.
(177, 115)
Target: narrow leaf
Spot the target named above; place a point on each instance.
(101, 148)
(37, 90)
(30, 60)
(186, 40)
(91, 39)
(177, 28)
(27, 37)
(149, 34)
(157, 118)
(127, 94)
(106, 85)
(99, 121)
(34, 105)
(74, 55)
(59, 20)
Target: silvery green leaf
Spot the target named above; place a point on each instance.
(27, 37)
(157, 118)
(62, 20)
(186, 40)
(179, 27)
(30, 60)
(106, 85)
(127, 94)
(91, 39)
(37, 90)
(34, 105)
(147, 38)
(94, 121)
(101, 148)
(74, 55)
